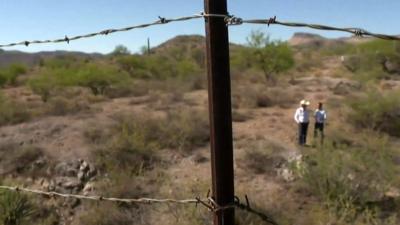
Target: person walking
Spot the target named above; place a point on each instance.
(320, 118)
(301, 117)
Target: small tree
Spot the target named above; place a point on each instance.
(120, 50)
(272, 57)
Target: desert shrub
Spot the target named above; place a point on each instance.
(15, 209)
(12, 112)
(158, 66)
(42, 85)
(134, 139)
(60, 106)
(9, 74)
(184, 130)
(18, 159)
(377, 111)
(352, 181)
(131, 145)
(165, 101)
(99, 78)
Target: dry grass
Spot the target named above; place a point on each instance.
(262, 96)
(261, 157)
(17, 159)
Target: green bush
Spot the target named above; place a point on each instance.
(159, 66)
(9, 75)
(377, 111)
(99, 77)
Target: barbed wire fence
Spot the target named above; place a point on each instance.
(229, 19)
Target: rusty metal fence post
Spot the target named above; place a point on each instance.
(219, 96)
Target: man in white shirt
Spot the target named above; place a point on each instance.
(320, 118)
(302, 118)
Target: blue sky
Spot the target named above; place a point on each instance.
(48, 19)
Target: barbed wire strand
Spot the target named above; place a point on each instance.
(67, 39)
(356, 31)
(209, 202)
(229, 19)
(100, 198)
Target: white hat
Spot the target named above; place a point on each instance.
(304, 102)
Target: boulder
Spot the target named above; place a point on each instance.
(345, 87)
(89, 188)
(391, 67)
(67, 169)
(69, 183)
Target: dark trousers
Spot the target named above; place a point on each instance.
(303, 128)
(319, 127)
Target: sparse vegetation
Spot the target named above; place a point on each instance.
(262, 157)
(109, 215)
(352, 181)
(135, 140)
(19, 159)
(245, 96)
(12, 112)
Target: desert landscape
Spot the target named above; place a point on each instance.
(136, 125)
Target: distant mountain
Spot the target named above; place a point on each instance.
(186, 42)
(314, 40)
(10, 57)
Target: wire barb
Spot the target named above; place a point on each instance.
(66, 39)
(271, 20)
